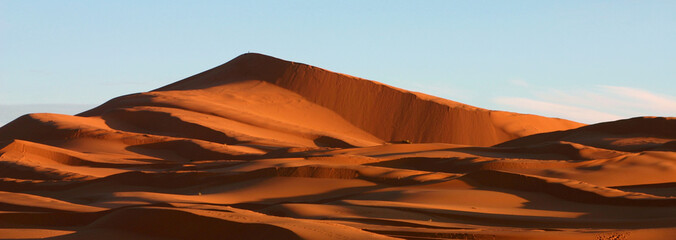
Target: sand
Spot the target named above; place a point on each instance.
(263, 148)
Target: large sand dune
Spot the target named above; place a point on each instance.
(262, 148)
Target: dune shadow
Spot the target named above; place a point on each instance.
(162, 124)
(326, 141)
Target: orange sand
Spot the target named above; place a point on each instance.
(262, 148)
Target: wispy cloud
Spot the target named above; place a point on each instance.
(556, 110)
(519, 82)
(600, 103)
(640, 98)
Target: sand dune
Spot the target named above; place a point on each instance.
(262, 148)
(631, 135)
(388, 113)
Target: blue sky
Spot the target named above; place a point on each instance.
(588, 61)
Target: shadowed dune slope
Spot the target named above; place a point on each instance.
(386, 112)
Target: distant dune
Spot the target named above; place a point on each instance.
(263, 148)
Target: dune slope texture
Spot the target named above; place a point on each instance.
(262, 148)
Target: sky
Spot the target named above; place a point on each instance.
(587, 61)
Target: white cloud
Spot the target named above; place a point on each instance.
(591, 105)
(556, 110)
(519, 82)
(640, 98)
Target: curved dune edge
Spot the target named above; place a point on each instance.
(567, 189)
(149, 222)
(632, 135)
